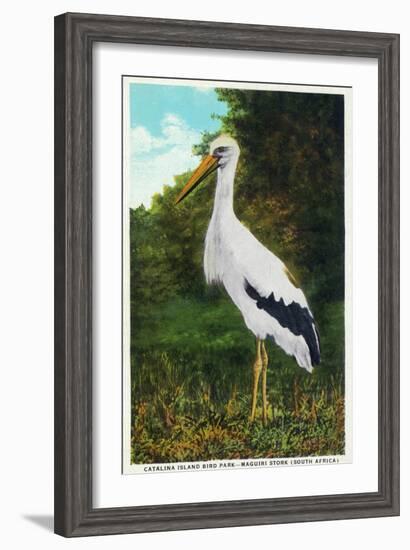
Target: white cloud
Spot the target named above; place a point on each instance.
(155, 160)
(142, 141)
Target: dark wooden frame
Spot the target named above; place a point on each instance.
(75, 35)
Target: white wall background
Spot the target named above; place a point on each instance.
(26, 382)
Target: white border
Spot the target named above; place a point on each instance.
(129, 468)
(110, 487)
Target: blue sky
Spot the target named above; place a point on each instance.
(165, 122)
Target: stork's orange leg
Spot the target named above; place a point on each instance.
(257, 367)
(264, 376)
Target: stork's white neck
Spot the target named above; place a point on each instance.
(223, 204)
(222, 221)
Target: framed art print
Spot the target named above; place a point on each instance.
(226, 274)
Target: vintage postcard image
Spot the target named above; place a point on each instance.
(236, 275)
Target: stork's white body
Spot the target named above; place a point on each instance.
(234, 257)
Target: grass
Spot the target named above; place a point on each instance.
(308, 422)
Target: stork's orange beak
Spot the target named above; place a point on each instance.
(207, 166)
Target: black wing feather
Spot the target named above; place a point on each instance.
(293, 316)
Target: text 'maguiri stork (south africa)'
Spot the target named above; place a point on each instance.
(257, 281)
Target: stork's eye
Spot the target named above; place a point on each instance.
(221, 149)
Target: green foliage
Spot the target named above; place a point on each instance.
(305, 421)
(190, 350)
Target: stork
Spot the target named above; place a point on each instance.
(256, 280)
